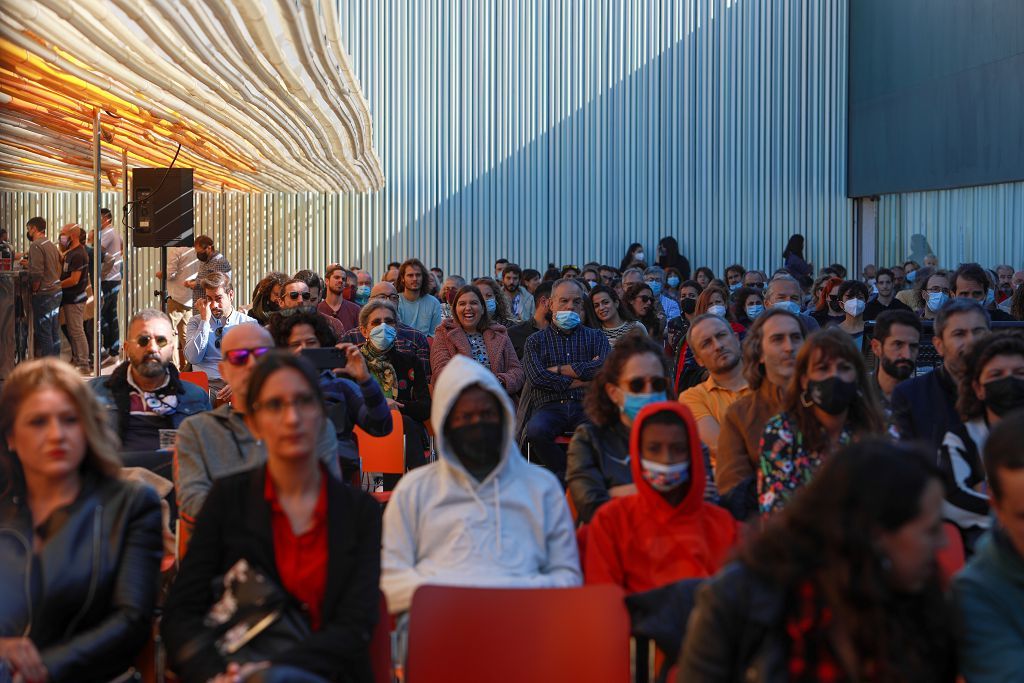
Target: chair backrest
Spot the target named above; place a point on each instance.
(197, 377)
(380, 646)
(385, 454)
(516, 634)
(951, 558)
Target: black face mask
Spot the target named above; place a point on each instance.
(687, 305)
(898, 369)
(1004, 395)
(832, 395)
(835, 305)
(477, 446)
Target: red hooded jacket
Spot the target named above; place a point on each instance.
(642, 542)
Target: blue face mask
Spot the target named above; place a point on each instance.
(655, 286)
(567, 320)
(911, 276)
(673, 281)
(383, 336)
(990, 297)
(633, 403)
(362, 294)
(787, 305)
(937, 300)
(754, 310)
(664, 478)
(491, 305)
(734, 287)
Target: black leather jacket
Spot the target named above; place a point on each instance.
(86, 599)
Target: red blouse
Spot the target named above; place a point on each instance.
(301, 559)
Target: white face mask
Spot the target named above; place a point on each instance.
(639, 256)
(854, 307)
(717, 310)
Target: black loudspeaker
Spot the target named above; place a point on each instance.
(163, 213)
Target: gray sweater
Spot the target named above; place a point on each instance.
(217, 443)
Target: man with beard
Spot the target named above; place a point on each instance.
(717, 349)
(895, 344)
(521, 301)
(216, 314)
(144, 394)
(337, 301)
(210, 261)
(924, 408)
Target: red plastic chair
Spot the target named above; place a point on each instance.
(197, 377)
(514, 635)
(951, 558)
(380, 646)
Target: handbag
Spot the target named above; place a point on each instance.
(253, 620)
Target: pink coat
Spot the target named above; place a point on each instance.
(450, 340)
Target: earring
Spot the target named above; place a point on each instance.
(804, 401)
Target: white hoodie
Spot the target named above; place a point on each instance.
(442, 526)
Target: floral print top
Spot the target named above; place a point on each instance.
(479, 349)
(786, 464)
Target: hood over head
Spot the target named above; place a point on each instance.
(460, 373)
(695, 494)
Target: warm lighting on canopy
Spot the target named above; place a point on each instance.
(258, 93)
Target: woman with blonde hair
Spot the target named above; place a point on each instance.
(81, 548)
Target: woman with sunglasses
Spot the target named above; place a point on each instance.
(313, 539)
(640, 302)
(80, 548)
(611, 314)
(633, 375)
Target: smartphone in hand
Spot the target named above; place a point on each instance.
(328, 358)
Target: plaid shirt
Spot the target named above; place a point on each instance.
(584, 349)
(217, 263)
(409, 340)
(811, 655)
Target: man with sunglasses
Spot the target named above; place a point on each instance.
(296, 294)
(216, 314)
(218, 442)
(144, 394)
(716, 348)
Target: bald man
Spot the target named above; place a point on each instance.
(409, 340)
(217, 443)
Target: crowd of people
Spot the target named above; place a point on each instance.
(780, 439)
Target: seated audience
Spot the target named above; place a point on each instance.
(704, 276)
(531, 279)
(842, 586)
(828, 309)
(300, 529)
(217, 443)
(895, 344)
(520, 332)
(655, 279)
(990, 590)
(641, 306)
(416, 308)
(437, 531)
(215, 315)
(734, 277)
(823, 410)
(675, 331)
(471, 333)
(755, 279)
(400, 377)
(930, 293)
(336, 304)
(970, 282)
(598, 470)
(748, 304)
(81, 548)
(611, 315)
(448, 289)
(560, 361)
(853, 297)
(407, 340)
(924, 408)
(991, 387)
(669, 257)
(520, 301)
(364, 285)
(785, 292)
(769, 361)
(144, 394)
(716, 348)
(298, 297)
(666, 532)
(495, 301)
(353, 399)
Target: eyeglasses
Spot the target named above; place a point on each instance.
(144, 340)
(643, 298)
(638, 384)
(303, 403)
(294, 296)
(755, 285)
(239, 357)
(389, 297)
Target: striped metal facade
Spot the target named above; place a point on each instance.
(562, 131)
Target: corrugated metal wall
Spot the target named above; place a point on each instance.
(984, 224)
(563, 131)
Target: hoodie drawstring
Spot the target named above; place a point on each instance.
(497, 509)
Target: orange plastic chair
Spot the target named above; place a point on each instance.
(197, 377)
(951, 558)
(513, 635)
(384, 454)
(572, 508)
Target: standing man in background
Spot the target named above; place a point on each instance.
(44, 274)
(110, 282)
(182, 266)
(73, 284)
(210, 261)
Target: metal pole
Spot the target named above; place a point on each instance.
(128, 279)
(97, 261)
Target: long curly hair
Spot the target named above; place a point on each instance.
(827, 535)
(598, 406)
(502, 307)
(968, 405)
